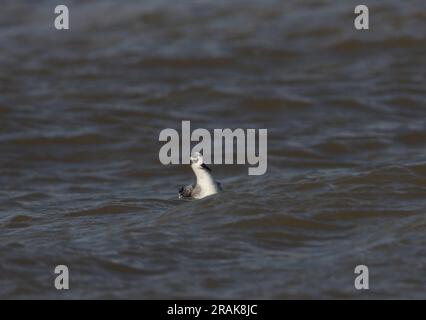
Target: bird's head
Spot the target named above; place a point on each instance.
(197, 161)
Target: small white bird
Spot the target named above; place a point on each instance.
(204, 185)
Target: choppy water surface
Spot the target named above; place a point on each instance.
(81, 183)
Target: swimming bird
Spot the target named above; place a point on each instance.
(204, 185)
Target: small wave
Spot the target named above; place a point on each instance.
(362, 214)
(390, 43)
(83, 139)
(412, 138)
(104, 210)
(19, 221)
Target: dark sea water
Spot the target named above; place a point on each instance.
(81, 183)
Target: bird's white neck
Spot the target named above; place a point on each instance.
(204, 180)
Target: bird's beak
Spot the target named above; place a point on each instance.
(205, 167)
